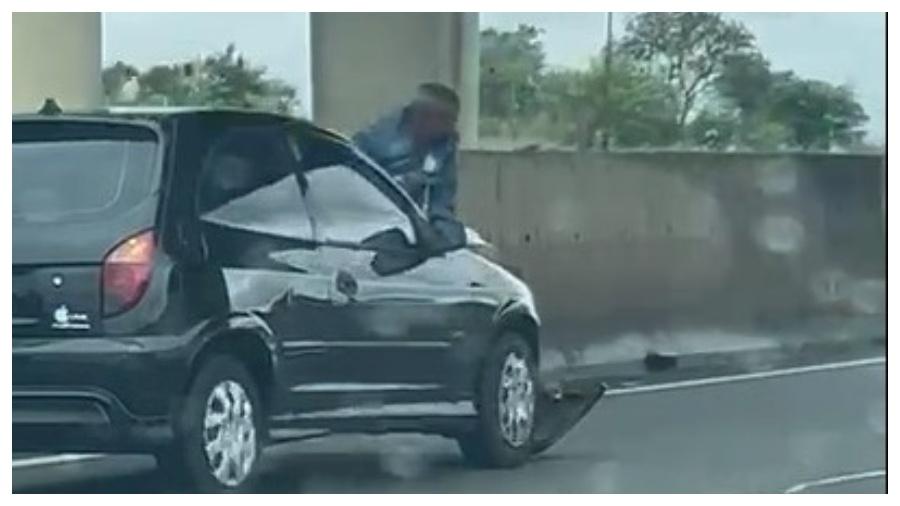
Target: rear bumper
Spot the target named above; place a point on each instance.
(81, 419)
(96, 394)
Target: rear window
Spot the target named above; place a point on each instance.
(65, 171)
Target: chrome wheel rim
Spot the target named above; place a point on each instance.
(516, 400)
(229, 434)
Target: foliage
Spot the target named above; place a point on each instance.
(745, 79)
(511, 64)
(817, 114)
(222, 79)
(688, 48)
(782, 110)
(688, 79)
(115, 77)
(632, 108)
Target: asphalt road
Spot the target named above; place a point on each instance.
(806, 431)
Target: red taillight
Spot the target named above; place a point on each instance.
(126, 272)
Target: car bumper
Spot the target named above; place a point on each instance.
(96, 394)
(81, 420)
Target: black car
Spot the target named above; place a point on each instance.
(199, 284)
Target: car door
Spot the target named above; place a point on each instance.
(385, 338)
(258, 237)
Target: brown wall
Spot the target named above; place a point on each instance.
(641, 241)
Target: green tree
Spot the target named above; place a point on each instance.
(817, 114)
(740, 115)
(222, 79)
(714, 128)
(633, 107)
(166, 85)
(779, 109)
(746, 80)
(511, 65)
(690, 49)
(115, 76)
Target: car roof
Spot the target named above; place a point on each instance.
(156, 115)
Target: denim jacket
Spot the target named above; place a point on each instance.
(387, 144)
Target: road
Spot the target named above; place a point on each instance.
(809, 430)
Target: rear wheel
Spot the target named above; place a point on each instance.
(505, 401)
(218, 432)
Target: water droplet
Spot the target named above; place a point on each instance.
(780, 234)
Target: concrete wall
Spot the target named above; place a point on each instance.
(56, 54)
(365, 63)
(617, 242)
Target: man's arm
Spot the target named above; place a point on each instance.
(442, 207)
(442, 201)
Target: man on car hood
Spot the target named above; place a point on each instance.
(417, 146)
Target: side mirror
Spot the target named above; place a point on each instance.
(444, 235)
(393, 252)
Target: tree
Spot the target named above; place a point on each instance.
(714, 129)
(511, 65)
(114, 78)
(688, 78)
(634, 108)
(166, 85)
(690, 49)
(779, 109)
(817, 114)
(745, 80)
(222, 79)
(744, 93)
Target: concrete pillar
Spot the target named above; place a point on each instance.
(56, 54)
(364, 64)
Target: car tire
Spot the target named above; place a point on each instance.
(218, 432)
(504, 430)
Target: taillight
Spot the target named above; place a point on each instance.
(126, 272)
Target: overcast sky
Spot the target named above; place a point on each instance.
(841, 48)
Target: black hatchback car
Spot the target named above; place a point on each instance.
(199, 284)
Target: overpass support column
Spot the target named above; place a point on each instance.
(364, 64)
(56, 54)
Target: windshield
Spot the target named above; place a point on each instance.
(58, 178)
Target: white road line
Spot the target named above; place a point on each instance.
(836, 480)
(743, 377)
(67, 458)
(48, 460)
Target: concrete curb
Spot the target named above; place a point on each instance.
(703, 364)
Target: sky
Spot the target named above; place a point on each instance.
(841, 48)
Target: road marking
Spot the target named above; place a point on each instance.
(836, 480)
(68, 458)
(744, 377)
(48, 460)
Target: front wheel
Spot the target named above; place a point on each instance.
(505, 401)
(219, 431)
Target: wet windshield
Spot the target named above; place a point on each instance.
(467, 252)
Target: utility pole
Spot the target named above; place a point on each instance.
(609, 40)
(607, 75)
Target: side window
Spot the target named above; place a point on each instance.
(248, 182)
(345, 205)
